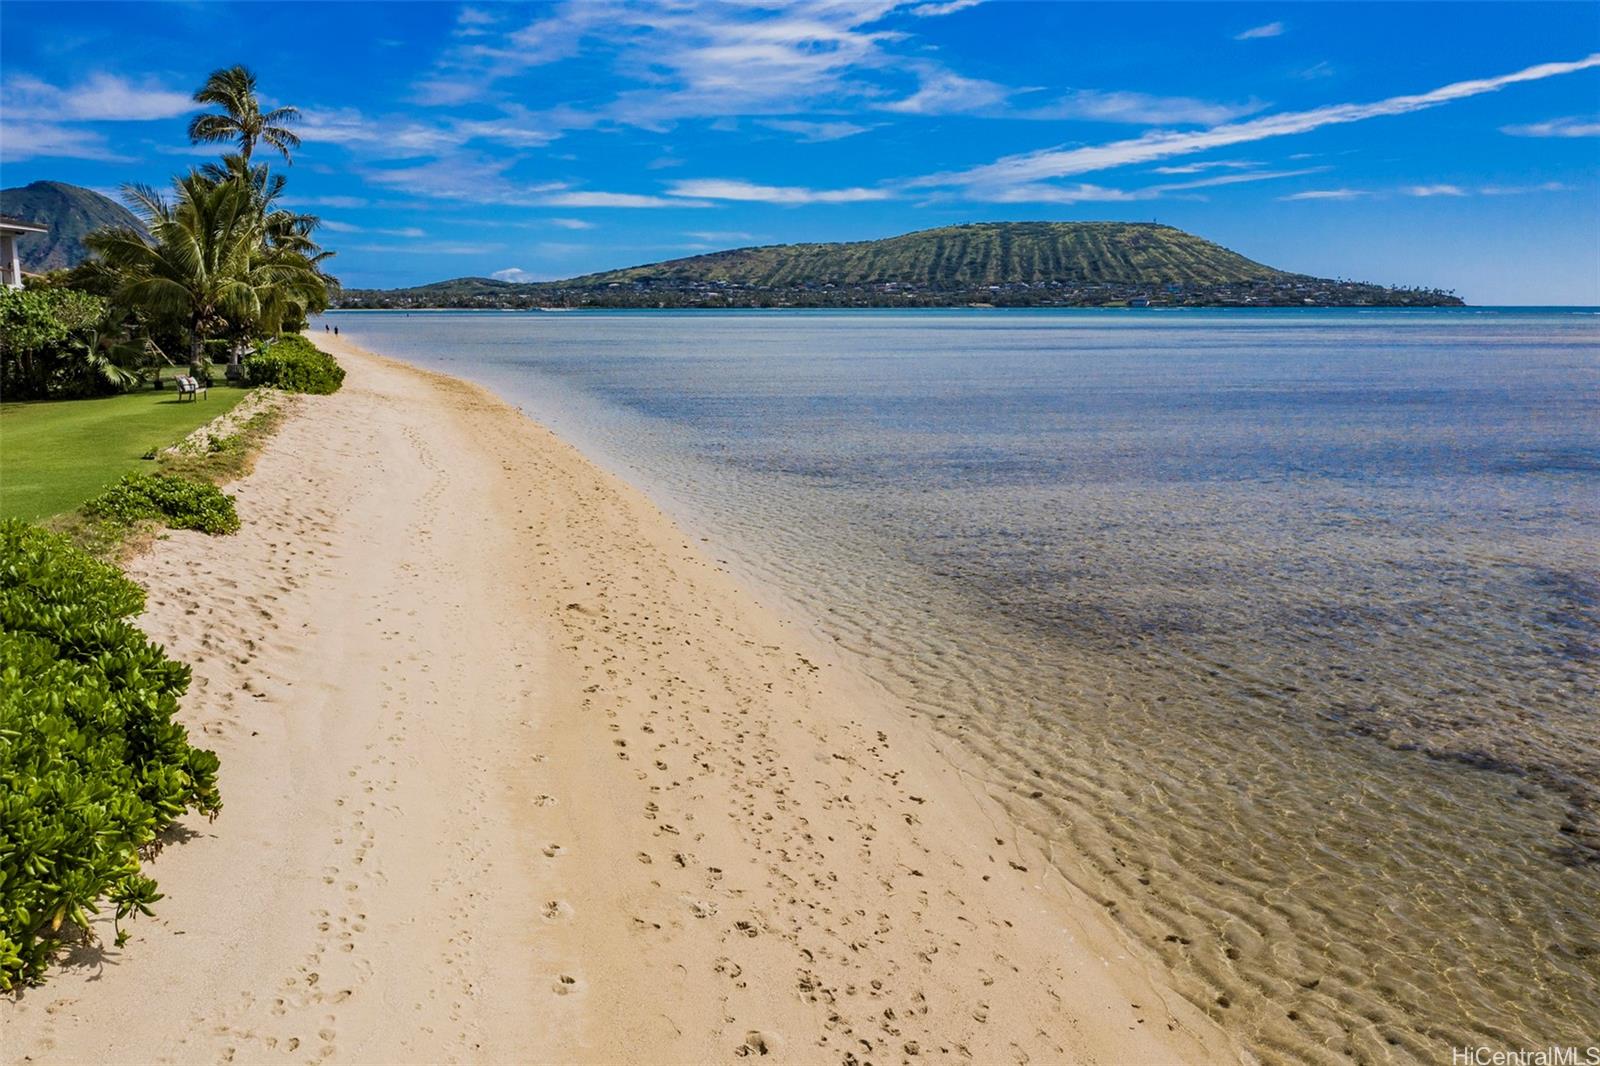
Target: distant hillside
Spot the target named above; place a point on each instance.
(72, 213)
(966, 257)
(1003, 263)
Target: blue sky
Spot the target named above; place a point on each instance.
(1447, 145)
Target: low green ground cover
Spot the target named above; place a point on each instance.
(55, 455)
(92, 765)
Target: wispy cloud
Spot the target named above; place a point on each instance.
(1271, 29)
(1326, 194)
(948, 7)
(336, 226)
(1214, 164)
(49, 140)
(1518, 190)
(582, 198)
(1165, 144)
(720, 236)
(42, 119)
(944, 92)
(814, 132)
(100, 97)
(1082, 192)
(572, 223)
(428, 248)
(1556, 127)
(1425, 191)
(726, 189)
(326, 201)
(1143, 109)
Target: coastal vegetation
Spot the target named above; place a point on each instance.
(1011, 264)
(294, 364)
(93, 768)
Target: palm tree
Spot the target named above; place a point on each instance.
(233, 89)
(208, 265)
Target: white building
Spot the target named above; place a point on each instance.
(10, 265)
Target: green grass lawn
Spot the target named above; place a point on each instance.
(56, 454)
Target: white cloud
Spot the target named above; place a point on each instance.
(49, 140)
(465, 177)
(1164, 144)
(582, 198)
(726, 189)
(326, 201)
(1434, 190)
(1271, 29)
(335, 226)
(720, 236)
(100, 97)
(429, 248)
(947, 7)
(517, 274)
(1215, 164)
(944, 92)
(1326, 194)
(571, 223)
(1041, 192)
(1557, 127)
(1099, 105)
(1518, 190)
(814, 132)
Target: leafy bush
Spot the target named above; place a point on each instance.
(294, 364)
(172, 499)
(48, 342)
(92, 766)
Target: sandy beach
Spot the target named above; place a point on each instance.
(514, 772)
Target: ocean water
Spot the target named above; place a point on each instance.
(1281, 629)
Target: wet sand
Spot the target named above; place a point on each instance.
(513, 771)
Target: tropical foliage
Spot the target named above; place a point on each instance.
(53, 345)
(92, 766)
(217, 258)
(241, 118)
(294, 364)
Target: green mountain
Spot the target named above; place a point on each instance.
(72, 213)
(971, 256)
(1002, 263)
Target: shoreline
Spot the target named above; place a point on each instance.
(514, 772)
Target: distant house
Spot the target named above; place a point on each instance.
(10, 265)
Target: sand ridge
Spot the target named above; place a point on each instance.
(514, 773)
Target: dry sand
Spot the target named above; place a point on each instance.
(514, 773)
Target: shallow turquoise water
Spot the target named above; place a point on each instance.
(1283, 627)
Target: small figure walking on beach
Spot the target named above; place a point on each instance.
(335, 331)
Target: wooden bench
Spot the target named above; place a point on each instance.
(190, 387)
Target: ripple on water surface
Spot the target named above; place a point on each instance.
(1284, 630)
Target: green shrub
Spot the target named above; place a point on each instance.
(294, 364)
(47, 339)
(172, 499)
(92, 766)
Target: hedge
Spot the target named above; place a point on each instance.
(294, 364)
(92, 766)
